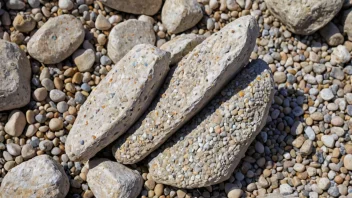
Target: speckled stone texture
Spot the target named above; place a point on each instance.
(108, 179)
(147, 7)
(15, 76)
(189, 87)
(118, 101)
(39, 177)
(56, 40)
(207, 149)
(304, 17)
(180, 15)
(124, 36)
(181, 45)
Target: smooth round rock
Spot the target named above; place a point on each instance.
(16, 123)
(56, 124)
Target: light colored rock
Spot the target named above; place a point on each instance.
(254, 82)
(304, 17)
(111, 179)
(39, 177)
(57, 39)
(84, 59)
(326, 94)
(124, 36)
(307, 147)
(111, 108)
(147, 7)
(180, 15)
(27, 151)
(331, 34)
(286, 189)
(347, 162)
(15, 76)
(66, 4)
(181, 45)
(347, 23)
(328, 141)
(15, 123)
(324, 183)
(340, 55)
(102, 23)
(198, 77)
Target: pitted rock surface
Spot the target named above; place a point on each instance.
(39, 177)
(15, 76)
(118, 101)
(113, 180)
(197, 78)
(57, 39)
(206, 150)
(181, 45)
(304, 17)
(128, 34)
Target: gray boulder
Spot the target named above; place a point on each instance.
(204, 152)
(304, 17)
(180, 15)
(15, 76)
(124, 36)
(118, 101)
(198, 77)
(111, 179)
(57, 39)
(39, 177)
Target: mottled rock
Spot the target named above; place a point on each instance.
(196, 79)
(214, 161)
(111, 179)
(181, 45)
(57, 39)
(124, 36)
(111, 108)
(304, 17)
(147, 7)
(15, 75)
(24, 23)
(340, 55)
(39, 177)
(180, 15)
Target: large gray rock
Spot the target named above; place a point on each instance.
(147, 7)
(124, 36)
(197, 78)
(39, 177)
(118, 101)
(181, 45)
(112, 180)
(207, 149)
(304, 17)
(57, 39)
(15, 76)
(180, 15)
(347, 23)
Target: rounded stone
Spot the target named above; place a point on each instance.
(326, 94)
(56, 124)
(15, 123)
(40, 94)
(348, 162)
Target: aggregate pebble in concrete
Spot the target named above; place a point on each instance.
(197, 78)
(206, 151)
(111, 179)
(38, 177)
(118, 101)
(56, 40)
(15, 75)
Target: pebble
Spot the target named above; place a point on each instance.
(16, 123)
(13, 149)
(27, 151)
(326, 94)
(56, 124)
(84, 59)
(348, 162)
(57, 95)
(40, 94)
(101, 23)
(328, 141)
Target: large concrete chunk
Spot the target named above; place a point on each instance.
(147, 7)
(304, 17)
(181, 45)
(15, 76)
(128, 34)
(196, 79)
(207, 149)
(113, 180)
(118, 101)
(39, 177)
(180, 15)
(57, 39)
